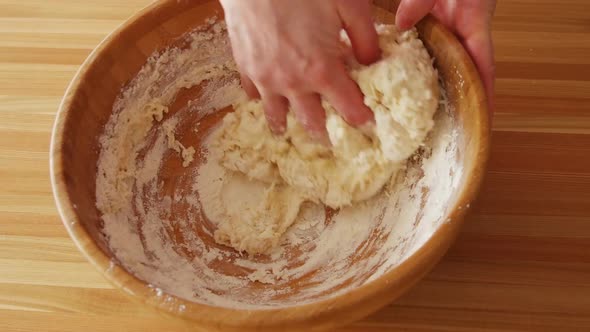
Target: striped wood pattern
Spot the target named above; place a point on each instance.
(522, 261)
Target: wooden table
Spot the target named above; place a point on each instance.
(522, 262)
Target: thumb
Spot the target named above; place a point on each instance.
(412, 11)
(358, 23)
(481, 48)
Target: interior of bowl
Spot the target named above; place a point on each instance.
(165, 239)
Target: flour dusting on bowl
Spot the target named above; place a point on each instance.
(154, 172)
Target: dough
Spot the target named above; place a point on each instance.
(250, 215)
(401, 89)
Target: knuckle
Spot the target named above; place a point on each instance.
(261, 75)
(319, 72)
(289, 83)
(274, 78)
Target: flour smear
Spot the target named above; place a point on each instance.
(154, 180)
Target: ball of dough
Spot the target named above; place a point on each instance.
(401, 89)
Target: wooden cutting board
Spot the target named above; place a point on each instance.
(522, 262)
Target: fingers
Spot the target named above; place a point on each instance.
(249, 87)
(481, 49)
(346, 97)
(341, 92)
(358, 23)
(310, 113)
(412, 11)
(275, 109)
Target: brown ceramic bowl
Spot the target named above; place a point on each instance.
(88, 104)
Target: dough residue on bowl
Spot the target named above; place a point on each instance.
(157, 185)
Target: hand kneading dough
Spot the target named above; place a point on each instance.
(401, 89)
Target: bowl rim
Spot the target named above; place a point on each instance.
(348, 306)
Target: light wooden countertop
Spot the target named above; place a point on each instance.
(522, 262)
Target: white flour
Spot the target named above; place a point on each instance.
(153, 211)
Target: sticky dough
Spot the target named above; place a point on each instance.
(403, 92)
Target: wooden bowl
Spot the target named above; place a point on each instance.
(88, 105)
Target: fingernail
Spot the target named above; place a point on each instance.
(322, 138)
(368, 127)
(277, 129)
(402, 25)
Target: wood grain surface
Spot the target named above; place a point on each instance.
(522, 262)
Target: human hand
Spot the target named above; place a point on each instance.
(289, 53)
(470, 20)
